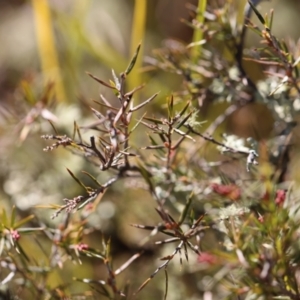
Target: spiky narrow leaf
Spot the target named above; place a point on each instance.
(23, 221)
(78, 132)
(127, 263)
(74, 131)
(147, 176)
(143, 103)
(129, 94)
(21, 251)
(76, 179)
(185, 252)
(108, 248)
(143, 285)
(184, 134)
(13, 217)
(170, 108)
(87, 280)
(266, 20)
(106, 105)
(155, 121)
(183, 110)
(53, 127)
(284, 46)
(186, 209)
(153, 142)
(271, 19)
(133, 60)
(93, 253)
(30, 229)
(4, 219)
(116, 80)
(255, 29)
(137, 124)
(259, 16)
(97, 114)
(92, 177)
(198, 221)
(192, 216)
(88, 200)
(101, 81)
(182, 122)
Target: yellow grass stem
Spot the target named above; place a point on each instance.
(46, 47)
(137, 36)
(198, 33)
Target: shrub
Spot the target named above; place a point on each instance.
(226, 222)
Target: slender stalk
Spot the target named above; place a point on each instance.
(137, 35)
(46, 45)
(198, 34)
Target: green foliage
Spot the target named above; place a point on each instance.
(224, 223)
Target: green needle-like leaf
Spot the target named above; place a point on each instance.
(260, 17)
(133, 60)
(77, 180)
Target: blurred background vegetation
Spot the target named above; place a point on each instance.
(46, 48)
